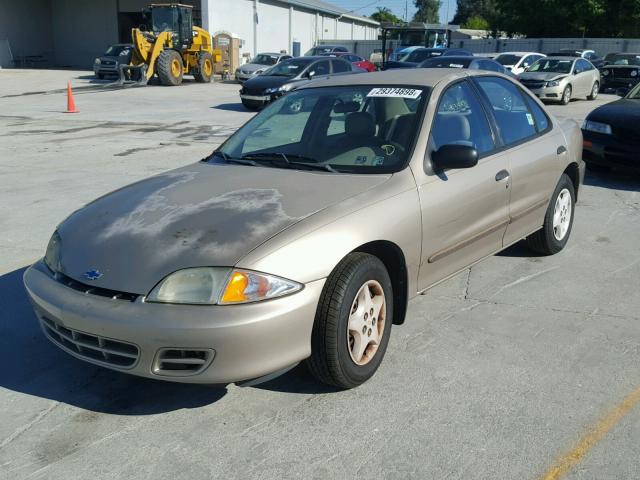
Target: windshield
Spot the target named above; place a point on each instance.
(418, 56)
(263, 59)
(622, 59)
(115, 50)
(446, 62)
(508, 59)
(355, 129)
(551, 65)
(288, 68)
(319, 51)
(163, 19)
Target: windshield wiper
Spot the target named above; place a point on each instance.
(228, 159)
(276, 156)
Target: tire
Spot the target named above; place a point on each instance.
(594, 91)
(550, 239)
(251, 106)
(566, 95)
(205, 68)
(333, 343)
(167, 68)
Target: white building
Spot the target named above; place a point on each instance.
(71, 33)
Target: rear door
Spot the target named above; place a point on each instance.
(464, 211)
(582, 77)
(532, 146)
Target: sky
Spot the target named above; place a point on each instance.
(367, 7)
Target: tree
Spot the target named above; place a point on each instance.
(383, 14)
(476, 23)
(428, 11)
(476, 14)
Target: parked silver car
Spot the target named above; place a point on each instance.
(560, 79)
(259, 64)
(305, 234)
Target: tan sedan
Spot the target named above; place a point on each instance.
(561, 79)
(303, 237)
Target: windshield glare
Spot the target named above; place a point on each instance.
(550, 65)
(263, 59)
(508, 59)
(357, 129)
(634, 94)
(288, 68)
(116, 50)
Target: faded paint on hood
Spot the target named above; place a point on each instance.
(200, 215)
(545, 76)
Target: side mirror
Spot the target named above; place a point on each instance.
(309, 74)
(454, 156)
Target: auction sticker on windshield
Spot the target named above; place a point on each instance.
(395, 92)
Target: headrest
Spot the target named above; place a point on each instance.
(360, 124)
(457, 125)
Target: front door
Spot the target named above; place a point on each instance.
(464, 211)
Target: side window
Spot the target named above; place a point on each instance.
(491, 66)
(320, 68)
(579, 67)
(339, 66)
(512, 115)
(542, 121)
(461, 120)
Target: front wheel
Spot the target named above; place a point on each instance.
(169, 68)
(566, 95)
(558, 220)
(204, 74)
(353, 322)
(594, 91)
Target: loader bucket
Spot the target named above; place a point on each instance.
(132, 74)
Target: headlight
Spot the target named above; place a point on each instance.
(98, 61)
(605, 72)
(52, 255)
(271, 90)
(223, 286)
(286, 87)
(555, 83)
(597, 127)
(258, 72)
(634, 73)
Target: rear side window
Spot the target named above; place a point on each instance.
(339, 66)
(542, 121)
(320, 68)
(461, 120)
(514, 119)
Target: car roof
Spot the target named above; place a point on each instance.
(414, 76)
(270, 53)
(561, 57)
(450, 58)
(519, 53)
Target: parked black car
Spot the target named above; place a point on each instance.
(621, 71)
(472, 63)
(285, 76)
(324, 49)
(612, 133)
(581, 53)
(419, 55)
(115, 55)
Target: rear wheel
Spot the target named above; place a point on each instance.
(566, 95)
(558, 220)
(169, 68)
(205, 68)
(353, 322)
(251, 106)
(594, 91)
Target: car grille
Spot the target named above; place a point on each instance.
(92, 347)
(108, 62)
(181, 362)
(533, 84)
(622, 72)
(253, 91)
(88, 289)
(627, 135)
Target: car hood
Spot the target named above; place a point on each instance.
(200, 215)
(113, 58)
(623, 112)
(545, 76)
(252, 67)
(267, 81)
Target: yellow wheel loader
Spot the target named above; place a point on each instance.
(173, 47)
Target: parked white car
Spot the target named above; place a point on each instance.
(518, 62)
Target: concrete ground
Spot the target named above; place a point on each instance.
(514, 366)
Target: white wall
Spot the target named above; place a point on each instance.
(26, 24)
(83, 30)
(303, 26)
(273, 27)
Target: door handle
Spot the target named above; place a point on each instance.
(561, 150)
(502, 175)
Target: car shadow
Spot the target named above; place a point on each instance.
(613, 179)
(34, 366)
(230, 107)
(296, 380)
(519, 250)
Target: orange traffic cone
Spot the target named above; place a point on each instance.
(71, 105)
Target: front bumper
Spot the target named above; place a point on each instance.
(240, 342)
(243, 77)
(105, 69)
(610, 85)
(548, 93)
(610, 151)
